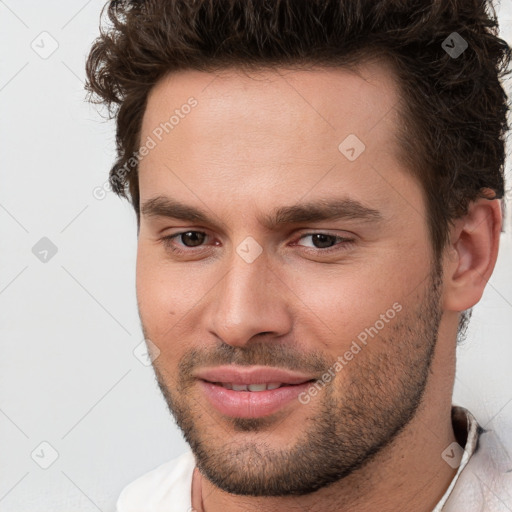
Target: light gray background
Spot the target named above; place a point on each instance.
(68, 374)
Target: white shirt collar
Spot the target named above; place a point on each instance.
(464, 424)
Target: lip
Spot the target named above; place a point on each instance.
(253, 375)
(251, 404)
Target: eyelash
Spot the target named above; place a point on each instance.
(344, 243)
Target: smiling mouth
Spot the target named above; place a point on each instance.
(265, 386)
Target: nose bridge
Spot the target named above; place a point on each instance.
(243, 290)
(246, 301)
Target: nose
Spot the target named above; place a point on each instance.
(250, 299)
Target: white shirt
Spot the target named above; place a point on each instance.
(483, 482)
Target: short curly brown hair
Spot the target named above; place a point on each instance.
(454, 107)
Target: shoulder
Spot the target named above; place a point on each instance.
(156, 490)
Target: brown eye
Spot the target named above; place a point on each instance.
(325, 241)
(189, 240)
(192, 238)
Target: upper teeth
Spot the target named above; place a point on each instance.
(250, 387)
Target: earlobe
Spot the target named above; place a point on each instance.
(471, 254)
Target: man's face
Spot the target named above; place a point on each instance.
(352, 296)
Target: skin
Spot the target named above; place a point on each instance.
(372, 438)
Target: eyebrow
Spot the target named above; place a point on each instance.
(314, 211)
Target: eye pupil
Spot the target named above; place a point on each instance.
(196, 236)
(324, 240)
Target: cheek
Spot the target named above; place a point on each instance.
(165, 292)
(160, 311)
(349, 299)
(157, 292)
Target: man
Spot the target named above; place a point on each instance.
(317, 188)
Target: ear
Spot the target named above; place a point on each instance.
(471, 254)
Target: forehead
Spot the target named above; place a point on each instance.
(273, 101)
(272, 135)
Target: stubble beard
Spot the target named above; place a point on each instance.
(346, 427)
